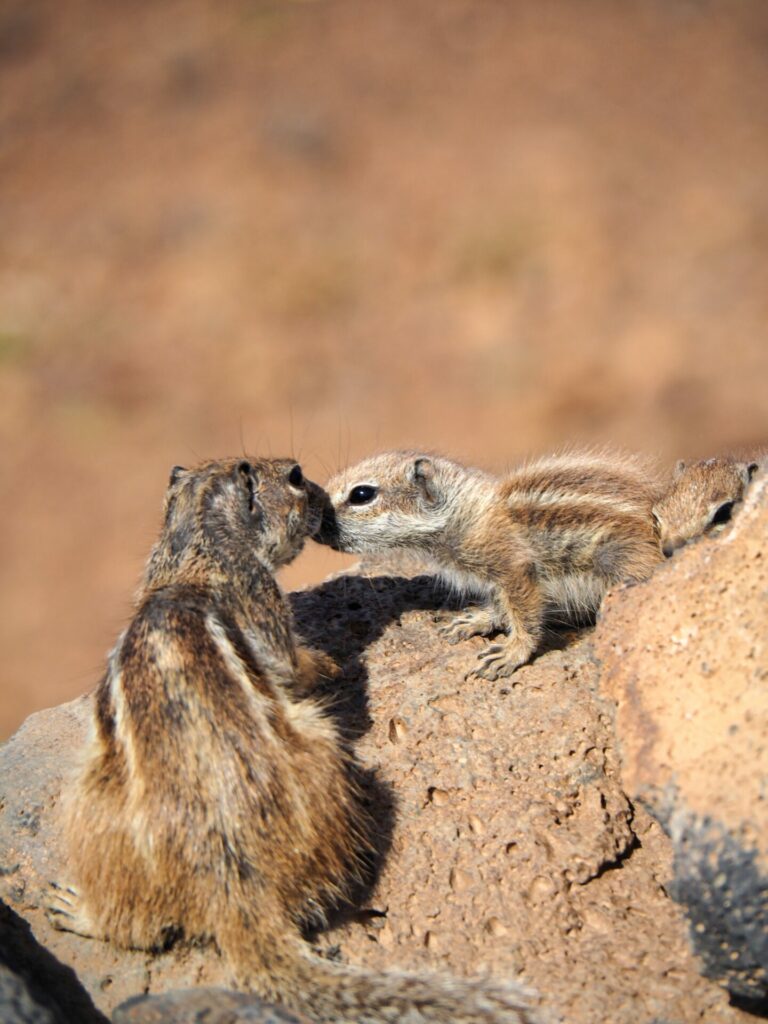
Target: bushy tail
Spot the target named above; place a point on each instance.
(284, 970)
(334, 993)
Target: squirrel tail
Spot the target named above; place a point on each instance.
(335, 993)
(284, 970)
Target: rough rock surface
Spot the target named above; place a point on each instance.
(692, 719)
(515, 850)
(508, 843)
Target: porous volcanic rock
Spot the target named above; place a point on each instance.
(507, 844)
(515, 850)
(685, 658)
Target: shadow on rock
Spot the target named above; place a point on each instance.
(49, 983)
(345, 615)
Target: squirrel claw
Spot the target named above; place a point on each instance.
(500, 660)
(468, 624)
(63, 911)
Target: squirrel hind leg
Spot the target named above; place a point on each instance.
(263, 951)
(67, 911)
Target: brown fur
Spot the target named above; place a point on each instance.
(700, 499)
(214, 802)
(548, 540)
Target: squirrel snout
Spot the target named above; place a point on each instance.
(317, 502)
(328, 530)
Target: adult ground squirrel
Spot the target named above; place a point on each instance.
(215, 802)
(700, 499)
(547, 540)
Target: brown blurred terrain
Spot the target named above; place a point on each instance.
(326, 227)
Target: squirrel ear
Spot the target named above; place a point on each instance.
(425, 478)
(679, 469)
(752, 468)
(245, 474)
(176, 474)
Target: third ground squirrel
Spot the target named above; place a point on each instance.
(215, 801)
(700, 499)
(547, 540)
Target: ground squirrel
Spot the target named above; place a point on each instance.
(700, 499)
(547, 540)
(215, 802)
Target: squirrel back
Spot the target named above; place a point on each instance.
(215, 803)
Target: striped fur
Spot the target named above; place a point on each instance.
(545, 541)
(216, 804)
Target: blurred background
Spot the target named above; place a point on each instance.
(489, 227)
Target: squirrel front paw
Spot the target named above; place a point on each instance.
(480, 622)
(502, 659)
(313, 665)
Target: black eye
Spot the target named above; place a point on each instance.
(296, 477)
(723, 514)
(363, 494)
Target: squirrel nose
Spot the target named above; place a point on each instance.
(670, 546)
(328, 531)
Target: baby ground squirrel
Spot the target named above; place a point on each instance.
(215, 802)
(548, 540)
(700, 499)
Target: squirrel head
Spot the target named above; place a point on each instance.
(397, 499)
(701, 499)
(232, 510)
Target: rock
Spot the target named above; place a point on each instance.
(34, 985)
(685, 658)
(530, 814)
(202, 1006)
(508, 845)
(17, 1005)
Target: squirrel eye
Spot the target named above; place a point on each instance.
(296, 477)
(723, 514)
(362, 494)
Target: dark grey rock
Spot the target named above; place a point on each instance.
(202, 1006)
(35, 987)
(725, 896)
(16, 1004)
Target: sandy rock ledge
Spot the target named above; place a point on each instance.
(521, 822)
